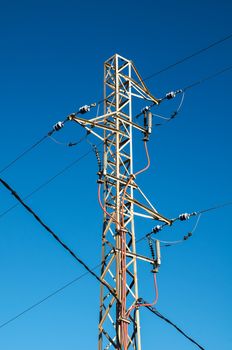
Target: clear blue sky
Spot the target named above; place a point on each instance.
(52, 55)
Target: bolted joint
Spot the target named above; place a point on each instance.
(123, 319)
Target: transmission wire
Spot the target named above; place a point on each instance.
(143, 80)
(44, 184)
(196, 53)
(48, 229)
(47, 297)
(157, 313)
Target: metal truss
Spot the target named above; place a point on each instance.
(117, 328)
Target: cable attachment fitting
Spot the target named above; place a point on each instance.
(157, 228)
(185, 216)
(86, 108)
(187, 236)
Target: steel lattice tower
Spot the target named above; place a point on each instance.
(122, 83)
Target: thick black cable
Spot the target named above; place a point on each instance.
(46, 298)
(48, 229)
(157, 313)
(196, 53)
(76, 279)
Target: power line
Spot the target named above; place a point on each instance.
(48, 229)
(58, 126)
(83, 275)
(196, 53)
(214, 75)
(33, 306)
(183, 217)
(143, 80)
(44, 184)
(157, 313)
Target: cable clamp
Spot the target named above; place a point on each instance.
(187, 236)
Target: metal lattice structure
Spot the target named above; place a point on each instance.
(117, 328)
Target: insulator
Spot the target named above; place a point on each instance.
(183, 217)
(147, 108)
(170, 95)
(147, 119)
(149, 122)
(151, 247)
(84, 109)
(98, 158)
(58, 126)
(158, 253)
(157, 228)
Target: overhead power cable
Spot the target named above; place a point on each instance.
(79, 277)
(209, 77)
(56, 127)
(183, 217)
(37, 189)
(157, 313)
(147, 78)
(48, 229)
(59, 125)
(186, 58)
(33, 306)
(183, 90)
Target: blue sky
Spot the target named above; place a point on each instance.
(52, 56)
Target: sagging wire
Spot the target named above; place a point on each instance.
(184, 217)
(62, 171)
(174, 113)
(58, 240)
(196, 53)
(56, 127)
(69, 144)
(149, 77)
(157, 313)
(146, 111)
(33, 306)
(206, 78)
(185, 238)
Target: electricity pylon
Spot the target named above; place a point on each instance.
(118, 329)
